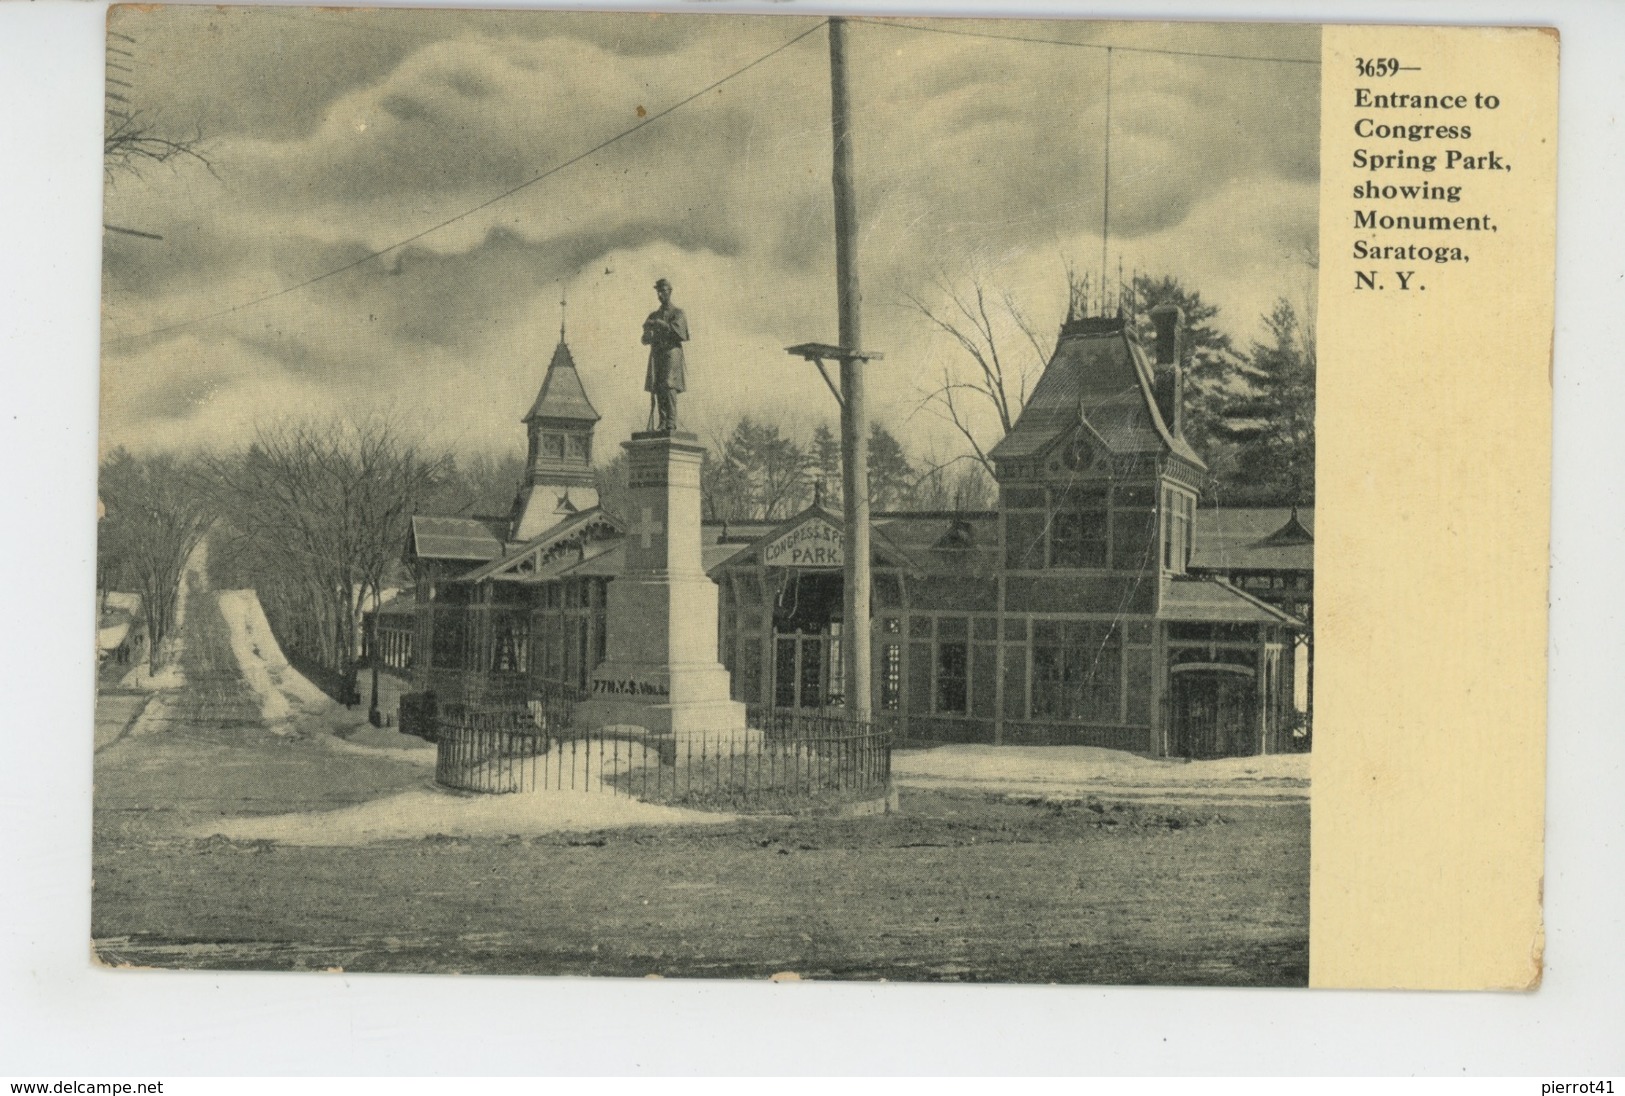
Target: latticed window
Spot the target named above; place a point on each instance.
(891, 676)
(1077, 671)
(1077, 536)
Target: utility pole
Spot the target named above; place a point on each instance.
(853, 358)
(854, 408)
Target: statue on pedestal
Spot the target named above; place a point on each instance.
(664, 333)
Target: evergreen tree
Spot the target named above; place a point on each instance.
(760, 474)
(826, 464)
(891, 476)
(1271, 419)
(1212, 366)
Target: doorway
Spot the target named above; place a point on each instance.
(807, 640)
(1215, 711)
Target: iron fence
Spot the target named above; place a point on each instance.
(786, 765)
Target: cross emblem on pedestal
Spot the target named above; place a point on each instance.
(647, 528)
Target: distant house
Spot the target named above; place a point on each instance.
(121, 633)
(1089, 608)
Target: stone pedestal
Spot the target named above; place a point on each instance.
(660, 670)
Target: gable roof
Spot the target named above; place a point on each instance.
(527, 559)
(471, 539)
(1216, 601)
(880, 543)
(1253, 539)
(1099, 377)
(562, 395)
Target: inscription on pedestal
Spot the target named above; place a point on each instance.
(629, 687)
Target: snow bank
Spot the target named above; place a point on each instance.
(281, 690)
(427, 812)
(1088, 766)
(128, 603)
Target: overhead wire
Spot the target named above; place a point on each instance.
(510, 192)
(880, 22)
(655, 117)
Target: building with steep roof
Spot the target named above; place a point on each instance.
(1095, 606)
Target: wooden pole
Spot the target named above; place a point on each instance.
(854, 411)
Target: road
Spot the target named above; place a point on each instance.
(961, 885)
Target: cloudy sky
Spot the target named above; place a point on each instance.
(335, 134)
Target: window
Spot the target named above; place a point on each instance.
(1134, 528)
(581, 446)
(1077, 671)
(511, 639)
(1178, 512)
(952, 677)
(1078, 529)
(891, 676)
(1024, 541)
(553, 445)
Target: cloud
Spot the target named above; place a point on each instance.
(340, 133)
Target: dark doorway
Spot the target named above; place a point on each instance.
(1215, 712)
(807, 640)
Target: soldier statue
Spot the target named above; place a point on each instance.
(664, 333)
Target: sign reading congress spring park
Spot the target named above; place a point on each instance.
(814, 543)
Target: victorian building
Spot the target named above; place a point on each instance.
(1085, 610)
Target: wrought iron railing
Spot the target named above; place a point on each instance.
(787, 764)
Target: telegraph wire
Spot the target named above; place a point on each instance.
(650, 120)
(1087, 45)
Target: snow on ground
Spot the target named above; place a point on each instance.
(283, 692)
(430, 811)
(124, 602)
(170, 677)
(383, 742)
(108, 639)
(154, 717)
(1088, 768)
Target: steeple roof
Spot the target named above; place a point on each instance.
(562, 395)
(1098, 376)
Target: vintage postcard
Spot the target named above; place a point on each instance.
(823, 497)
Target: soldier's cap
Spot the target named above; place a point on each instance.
(662, 282)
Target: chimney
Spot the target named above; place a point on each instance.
(1168, 376)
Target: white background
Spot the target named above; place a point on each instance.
(62, 1017)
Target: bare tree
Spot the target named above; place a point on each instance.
(959, 483)
(137, 139)
(156, 513)
(321, 509)
(758, 473)
(993, 382)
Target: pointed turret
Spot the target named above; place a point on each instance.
(562, 396)
(558, 470)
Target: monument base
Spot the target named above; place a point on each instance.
(659, 717)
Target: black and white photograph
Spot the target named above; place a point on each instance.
(707, 496)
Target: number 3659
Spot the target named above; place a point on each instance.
(1376, 66)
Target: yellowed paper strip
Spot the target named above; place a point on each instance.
(1437, 225)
